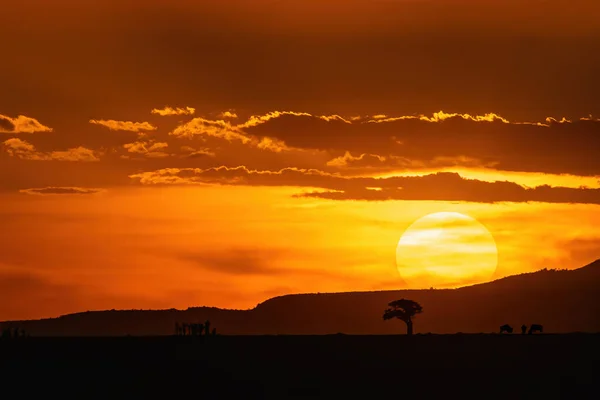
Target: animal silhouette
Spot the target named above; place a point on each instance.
(506, 328)
(523, 329)
(193, 329)
(10, 333)
(535, 328)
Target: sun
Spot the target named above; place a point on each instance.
(446, 249)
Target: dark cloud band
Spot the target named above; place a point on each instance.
(439, 186)
(49, 191)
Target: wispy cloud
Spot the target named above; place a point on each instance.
(166, 111)
(124, 125)
(26, 151)
(190, 152)
(366, 161)
(439, 117)
(228, 115)
(150, 148)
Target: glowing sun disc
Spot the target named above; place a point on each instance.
(446, 249)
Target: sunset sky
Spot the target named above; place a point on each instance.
(176, 153)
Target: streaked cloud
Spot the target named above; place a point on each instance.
(349, 160)
(26, 151)
(167, 111)
(438, 186)
(124, 125)
(191, 152)
(150, 148)
(439, 117)
(55, 191)
(366, 161)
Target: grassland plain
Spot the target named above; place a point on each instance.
(548, 366)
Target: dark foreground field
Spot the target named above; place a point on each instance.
(329, 367)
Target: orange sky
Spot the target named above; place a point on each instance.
(186, 153)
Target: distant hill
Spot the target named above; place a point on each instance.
(562, 301)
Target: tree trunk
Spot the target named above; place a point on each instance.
(409, 327)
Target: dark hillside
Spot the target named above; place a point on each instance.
(562, 301)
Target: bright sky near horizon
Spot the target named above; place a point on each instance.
(184, 153)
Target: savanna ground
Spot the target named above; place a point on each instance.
(335, 366)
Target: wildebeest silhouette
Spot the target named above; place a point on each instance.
(536, 328)
(506, 328)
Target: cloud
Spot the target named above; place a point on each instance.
(124, 125)
(552, 146)
(439, 117)
(228, 114)
(50, 191)
(166, 111)
(582, 250)
(150, 149)
(43, 295)
(214, 128)
(190, 152)
(226, 130)
(363, 160)
(236, 175)
(391, 162)
(248, 261)
(74, 154)
(271, 144)
(21, 124)
(411, 141)
(238, 261)
(590, 118)
(26, 151)
(257, 120)
(444, 186)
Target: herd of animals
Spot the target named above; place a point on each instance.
(194, 329)
(532, 329)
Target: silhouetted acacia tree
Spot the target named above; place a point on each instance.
(405, 310)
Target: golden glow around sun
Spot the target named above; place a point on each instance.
(446, 249)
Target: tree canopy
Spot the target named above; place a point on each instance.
(403, 309)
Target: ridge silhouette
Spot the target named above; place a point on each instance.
(564, 300)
